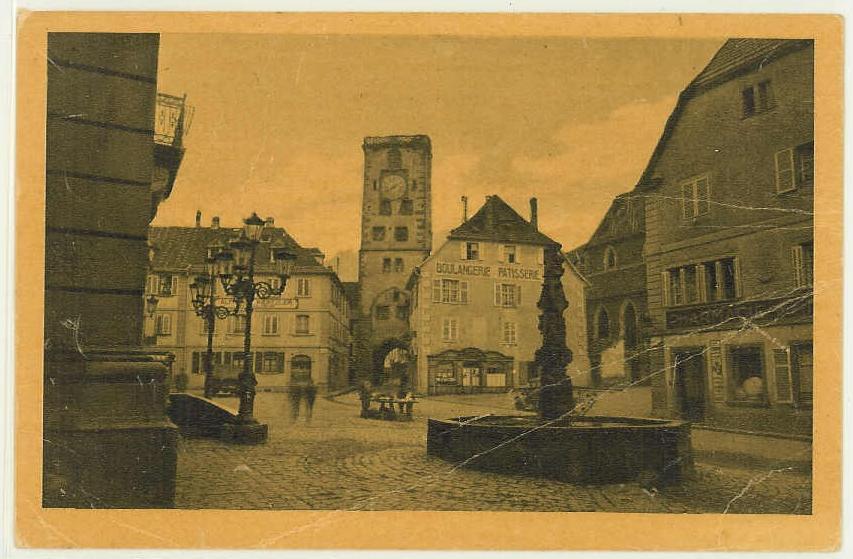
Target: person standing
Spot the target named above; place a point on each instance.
(310, 392)
(294, 394)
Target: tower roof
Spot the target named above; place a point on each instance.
(497, 221)
(416, 140)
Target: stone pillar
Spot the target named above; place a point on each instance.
(107, 440)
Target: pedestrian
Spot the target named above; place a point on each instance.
(365, 392)
(294, 394)
(310, 391)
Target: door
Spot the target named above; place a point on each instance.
(690, 383)
(470, 378)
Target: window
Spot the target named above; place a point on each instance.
(164, 325)
(795, 168)
(471, 251)
(300, 369)
(510, 254)
(803, 256)
(303, 324)
(303, 287)
(386, 265)
(509, 333)
(378, 233)
(746, 375)
(602, 324)
(398, 265)
(507, 295)
(383, 312)
(716, 280)
(385, 207)
(401, 234)
(270, 325)
(272, 362)
(609, 258)
(450, 330)
(167, 285)
(450, 291)
(757, 98)
(406, 207)
(695, 198)
(237, 324)
(402, 312)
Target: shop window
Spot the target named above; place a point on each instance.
(385, 207)
(795, 168)
(471, 251)
(303, 324)
(444, 374)
(383, 312)
(509, 333)
(164, 325)
(507, 295)
(406, 207)
(695, 198)
(757, 98)
(746, 375)
(398, 265)
(803, 256)
(510, 254)
(377, 233)
(450, 330)
(300, 369)
(401, 234)
(450, 291)
(386, 265)
(602, 324)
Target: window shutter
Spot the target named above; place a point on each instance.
(687, 200)
(497, 294)
(464, 246)
(797, 257)
(463, 292)
(703, 196)
(259, 361)
(517, 295)
(736, 263)
(782, 375)
(702, 283)
(436, 291)
(174, 285)
(196, 359)
(784, 170)
(664, 285)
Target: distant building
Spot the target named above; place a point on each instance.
(303, 334)
(474, 319)
(729, 241)
(612, 261)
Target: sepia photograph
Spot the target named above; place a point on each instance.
(407, 271)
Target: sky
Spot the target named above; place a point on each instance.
(279, 122)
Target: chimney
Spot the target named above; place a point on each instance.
(269, 222)
(214, 223)
(534, 213)
(464, 209)
(198, 218)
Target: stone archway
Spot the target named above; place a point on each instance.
(631, 337)
(392, 361)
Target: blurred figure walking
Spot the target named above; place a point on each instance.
(310, 393)
(294, 395)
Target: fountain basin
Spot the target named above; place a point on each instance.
(587, 449)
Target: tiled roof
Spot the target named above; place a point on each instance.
(497, 221)
(177, 248)
(737, 53)
(415, 139)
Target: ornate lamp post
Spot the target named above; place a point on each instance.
(240, 284)
(203, 292)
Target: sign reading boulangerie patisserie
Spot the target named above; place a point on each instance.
(503, 272)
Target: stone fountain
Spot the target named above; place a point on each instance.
(557, 442)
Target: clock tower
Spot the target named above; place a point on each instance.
(396, 232)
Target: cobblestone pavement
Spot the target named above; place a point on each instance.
(342, 462)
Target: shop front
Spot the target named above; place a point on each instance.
(469, 371)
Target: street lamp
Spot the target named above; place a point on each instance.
(238, 281)
(203, 291)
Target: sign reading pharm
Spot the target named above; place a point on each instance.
(503, 272)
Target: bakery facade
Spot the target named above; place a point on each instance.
(474, 319)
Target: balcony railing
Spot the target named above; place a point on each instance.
(172, 119)
(796, 308)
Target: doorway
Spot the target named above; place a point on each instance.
(471, 378)
(689, 370)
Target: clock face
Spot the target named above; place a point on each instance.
(393, 186)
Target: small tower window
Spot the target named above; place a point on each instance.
(385, 207)
(395, 161)
(609, 258)
(401, 234)
(406, 207)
